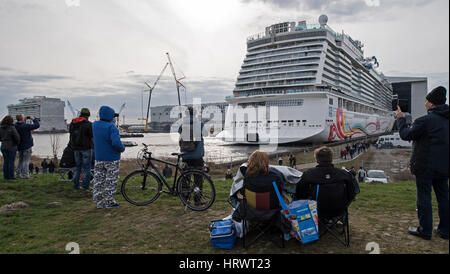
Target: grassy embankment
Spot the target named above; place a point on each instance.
(57, 215)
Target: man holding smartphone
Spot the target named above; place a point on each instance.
(26, 143)
(429, 161)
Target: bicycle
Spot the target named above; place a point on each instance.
(194, 187)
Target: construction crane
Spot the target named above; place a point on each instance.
(150, 90)
(74, 113)
(118, 114)
(177, 81)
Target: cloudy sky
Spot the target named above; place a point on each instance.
(96, 52)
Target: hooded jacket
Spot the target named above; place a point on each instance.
(430, 142)
(24, 130)
(81, 137)
(107, 143)
(9, 137)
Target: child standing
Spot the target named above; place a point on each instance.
(108, 147)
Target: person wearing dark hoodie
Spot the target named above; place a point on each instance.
(10, 140)
(107, 147)
(82, 143)
(26, 143)
(429, 161)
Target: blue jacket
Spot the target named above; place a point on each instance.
(24, 130)
(430, 142)
(107, 143)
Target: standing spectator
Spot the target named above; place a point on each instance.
(51, 167)
(26, 143)
(353, 171)
(10, 140)
(108, 148)
(294, 161)
(361, 175)
(82, 143)
(429, 162)
(36, 169)
(44, 166)
(192, 146)
(30, 168)
(167, 171)
(280, 161)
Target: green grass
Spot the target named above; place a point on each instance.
(163, 227)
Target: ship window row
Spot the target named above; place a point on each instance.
(271, 48)
(281, 58)
(253, 70)
(359, 108)
(276, 76)
(282, 69)
(274, 84)
(285, 51)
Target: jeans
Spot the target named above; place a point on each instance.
(424, 207)
(24, 161)
(9, 158)
(82, 165)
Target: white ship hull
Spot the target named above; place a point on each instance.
(314, 121)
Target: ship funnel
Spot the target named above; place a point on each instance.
(323, 20)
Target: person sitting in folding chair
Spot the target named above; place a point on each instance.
(337, 189)
(259, 206)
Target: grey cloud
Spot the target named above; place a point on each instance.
(343, 9)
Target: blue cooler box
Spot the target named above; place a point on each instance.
(223, 234)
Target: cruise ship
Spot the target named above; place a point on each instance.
(305, 83)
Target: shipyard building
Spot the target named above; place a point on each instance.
(50, 111)
(162, 119)
(410, 93)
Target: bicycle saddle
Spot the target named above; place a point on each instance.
(178, 154)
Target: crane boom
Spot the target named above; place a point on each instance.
(176, 80)
(150, 94)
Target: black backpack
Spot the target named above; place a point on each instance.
(189, 145)
(68, 158)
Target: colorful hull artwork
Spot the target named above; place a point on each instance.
(342, 130)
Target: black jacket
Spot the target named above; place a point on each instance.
(327, 174)
(430, 142)
(9, 137)
(81, 137)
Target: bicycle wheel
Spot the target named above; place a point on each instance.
(141, 187)
(196, 190)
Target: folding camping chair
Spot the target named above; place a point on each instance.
(332, 207)
(259, 211)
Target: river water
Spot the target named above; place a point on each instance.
(161, 145)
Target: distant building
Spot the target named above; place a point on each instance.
(50, 111)
(411, 93)
(161, 118)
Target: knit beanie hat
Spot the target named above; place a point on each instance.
(85, 112)
(437, 96)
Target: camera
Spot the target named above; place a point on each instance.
(28, 117)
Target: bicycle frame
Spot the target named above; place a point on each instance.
(150, 159)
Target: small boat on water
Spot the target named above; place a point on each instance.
(129, 143)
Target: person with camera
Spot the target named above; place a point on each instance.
(429, 162)
(26, 143)
(192, 145)
(10, 139)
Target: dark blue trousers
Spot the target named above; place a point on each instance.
(424, 206)
(9, 158)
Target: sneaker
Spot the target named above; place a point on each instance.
(114, 205)
(415, 231)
